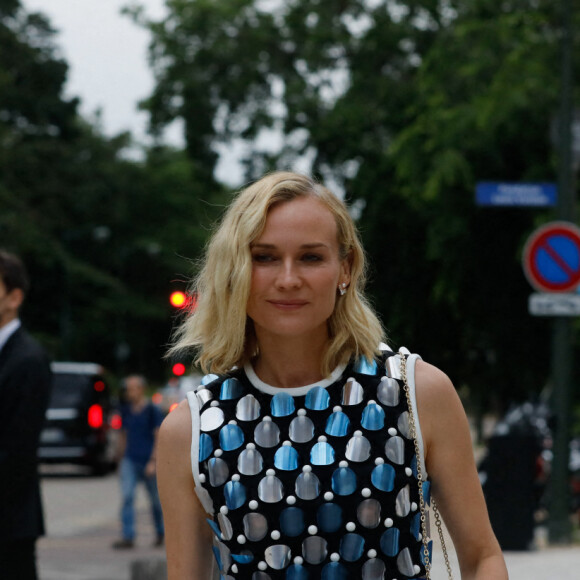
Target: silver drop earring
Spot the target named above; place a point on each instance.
(342, 288)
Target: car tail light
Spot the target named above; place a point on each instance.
(95, 416)
(116, 421)
(99, 386)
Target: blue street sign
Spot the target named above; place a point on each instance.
(489, 193)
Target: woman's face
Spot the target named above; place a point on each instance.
(296, 270)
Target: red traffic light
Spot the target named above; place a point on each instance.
(178, 299)
(178, 369)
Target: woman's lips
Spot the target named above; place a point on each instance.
(288, 304)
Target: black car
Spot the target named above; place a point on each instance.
(81, 422)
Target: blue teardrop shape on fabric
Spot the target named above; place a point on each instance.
(297, 572)
(344, 481)
(329, 517)
(383, 477)
(416, 525)
(322, 454)
(427, 492)
(282, 405)
(286, 458)
(292, 521)
(373, 417)
(231, 437)
(215, 528)
(217, 556)
(208, 379)
(364, 367)
(235, 494)
(231, 389)
(205, 446)
(317, 399)
(334, 571)
(351, 547)
(244, 557)
(338, 424)
(429, 550)
(390, 542)
(218, 471)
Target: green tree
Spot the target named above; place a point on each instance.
(406, 106)
(104, 236)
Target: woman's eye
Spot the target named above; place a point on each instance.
(261, 258)
(312, 258)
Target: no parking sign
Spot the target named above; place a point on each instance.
(551, 257)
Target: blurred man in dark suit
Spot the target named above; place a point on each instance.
(25, 381)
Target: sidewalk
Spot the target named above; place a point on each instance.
(551, 563)
(88, 555)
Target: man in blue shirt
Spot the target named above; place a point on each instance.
(137, 447)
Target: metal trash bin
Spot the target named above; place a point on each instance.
(509, 475)
(510, 490)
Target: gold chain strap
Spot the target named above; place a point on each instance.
(413, 431)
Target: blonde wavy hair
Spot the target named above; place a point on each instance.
(219, 328)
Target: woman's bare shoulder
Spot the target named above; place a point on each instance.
(440, 410)
(431, 381)
(176, 427)
(436, 394)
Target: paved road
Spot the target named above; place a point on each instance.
(81, 514)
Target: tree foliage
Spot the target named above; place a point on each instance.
(406, 106)
(105, 237)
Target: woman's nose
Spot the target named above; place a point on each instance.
(288, 275)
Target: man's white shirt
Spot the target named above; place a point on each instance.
(7, 331)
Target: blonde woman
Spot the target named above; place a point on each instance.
(295, 458)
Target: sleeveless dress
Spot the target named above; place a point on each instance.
(315, 482)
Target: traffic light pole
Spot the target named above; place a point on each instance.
(559, 525)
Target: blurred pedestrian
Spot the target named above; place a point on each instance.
(312, 450)
(137, 454)
(25, 381)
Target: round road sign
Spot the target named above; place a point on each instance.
(551, 257)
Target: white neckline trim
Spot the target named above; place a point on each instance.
(411, 361)
(296, 391)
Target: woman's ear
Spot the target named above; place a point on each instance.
(345, 269)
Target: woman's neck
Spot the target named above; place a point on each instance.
(289, 363)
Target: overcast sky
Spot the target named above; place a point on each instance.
(107, 56)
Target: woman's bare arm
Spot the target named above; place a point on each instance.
(188, 537)
(451, 468)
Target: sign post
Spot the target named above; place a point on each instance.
(559, 526)
(551, 262)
